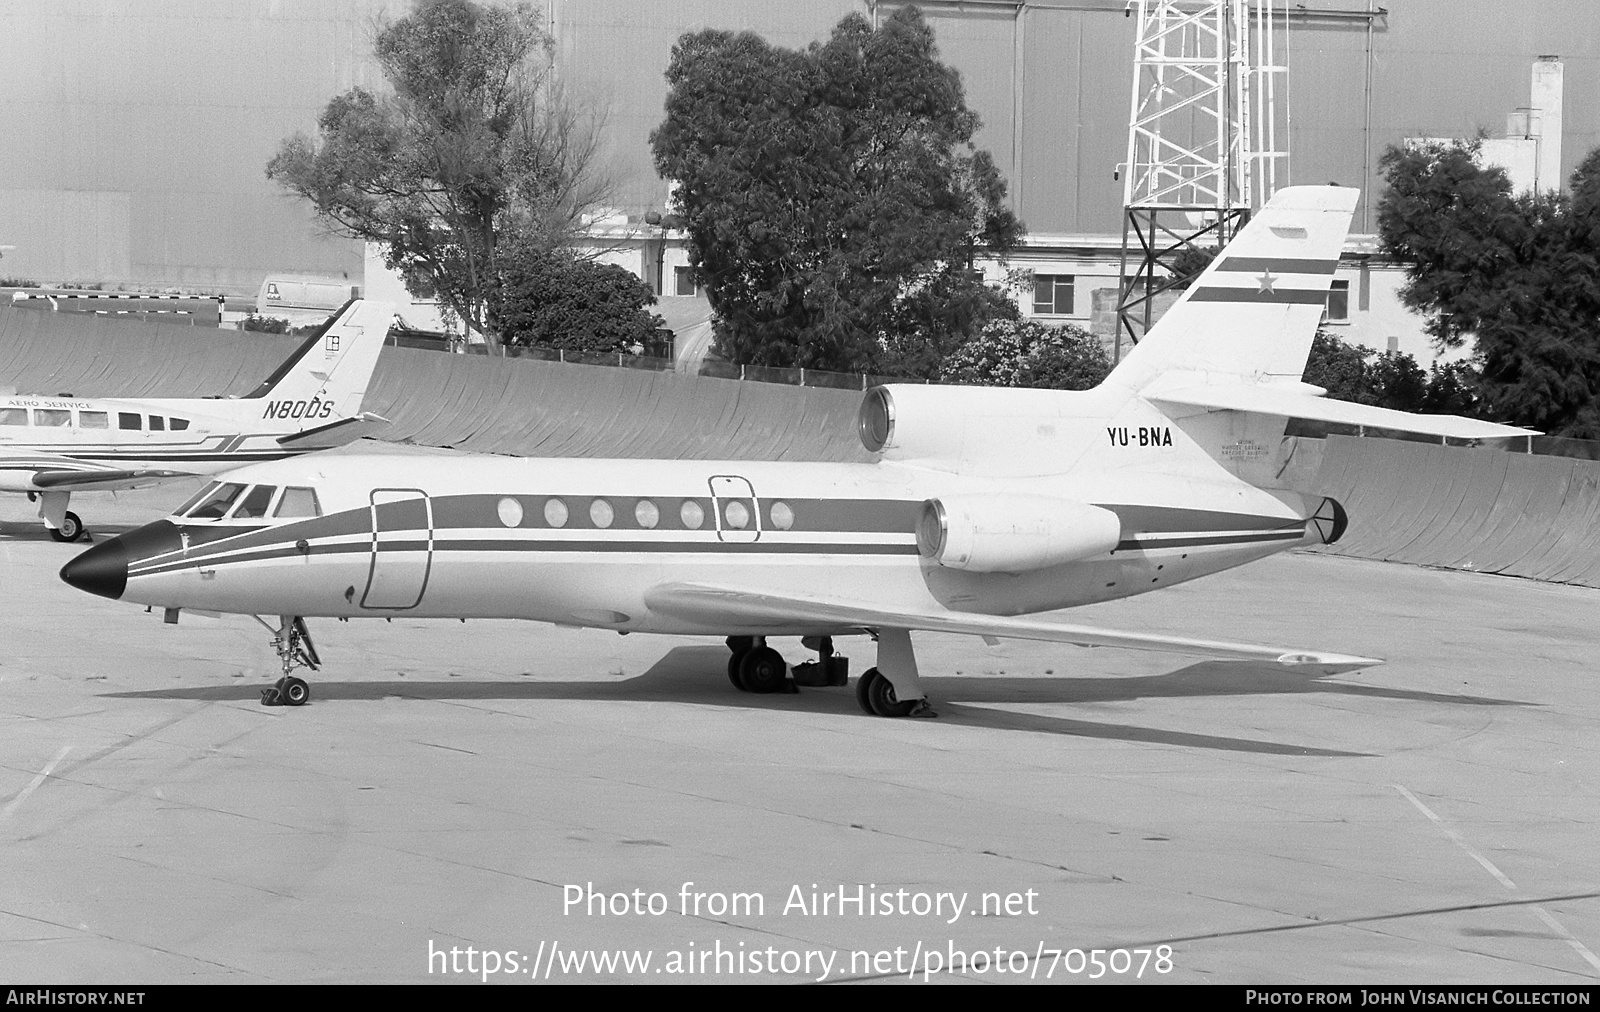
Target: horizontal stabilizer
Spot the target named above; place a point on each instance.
(102, 481)
(345, 430)
(1298, 401)
(727, 607)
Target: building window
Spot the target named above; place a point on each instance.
(1338, 308)
(683, 281)
(1052, 294)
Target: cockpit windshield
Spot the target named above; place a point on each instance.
(254, 505)
(238, 501)
(215, 505)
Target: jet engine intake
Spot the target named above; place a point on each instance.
(1013, 533)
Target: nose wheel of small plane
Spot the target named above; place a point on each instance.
(71, 528)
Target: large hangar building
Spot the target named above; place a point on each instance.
(136, 134)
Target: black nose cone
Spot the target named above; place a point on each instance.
(103, 569)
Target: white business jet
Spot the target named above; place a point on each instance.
(983, 506)
(51, 447)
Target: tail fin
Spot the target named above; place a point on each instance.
(335, 364)
(1252, 314)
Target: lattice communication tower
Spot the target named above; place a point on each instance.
(1205, 144)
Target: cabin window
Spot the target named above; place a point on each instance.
(179, 424)
(157, 423)
(1052, 294)
(298, 502)
(13, 416)
(692, 514)
(510, 511)
(555, 513)
(52, 417)
(782, 516)
(214, 506)
(254, 504)
(601, 514)
(736, 514)
(646, 514)
(94, 420)
(128, 420)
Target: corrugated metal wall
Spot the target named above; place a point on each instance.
(135, 132)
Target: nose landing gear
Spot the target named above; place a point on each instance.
(292, 641)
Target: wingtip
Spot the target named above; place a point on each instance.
(1331, 663)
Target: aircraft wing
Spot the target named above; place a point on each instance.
(338, 433)
(101, 481)
(710, 604)
(1296, 401)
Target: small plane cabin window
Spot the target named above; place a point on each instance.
(217, 503)
(129, 420)
(178, 424)
(298, 502)
(157, 423)
(94, 420)
(601, 514)
(254, 505)
(52, 417)
(645, 512)
(692, 514)
(13, 416)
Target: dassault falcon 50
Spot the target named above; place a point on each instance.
(51, 447)
(981, 507)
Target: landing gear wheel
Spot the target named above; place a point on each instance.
(71, 528)
(863, 686)
(763, 670)
(739, 645)
(876, 695)
(295, 691)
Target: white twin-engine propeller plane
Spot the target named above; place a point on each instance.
(51, 447)
(984, 505)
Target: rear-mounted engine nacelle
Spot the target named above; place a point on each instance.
(1013, 533)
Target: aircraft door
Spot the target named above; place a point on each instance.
(737, 509)
(402, 548)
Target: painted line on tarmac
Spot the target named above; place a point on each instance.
(22, 796)
(1538, 911)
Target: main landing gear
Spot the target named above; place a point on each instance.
(292, 641)
(62, 524)
(755, 667)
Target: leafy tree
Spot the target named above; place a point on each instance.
(1515, 272)
(833, 198)
(1339, 368)
(1026, 353)
(1392, 379)
(474, 143)
(548, 298)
